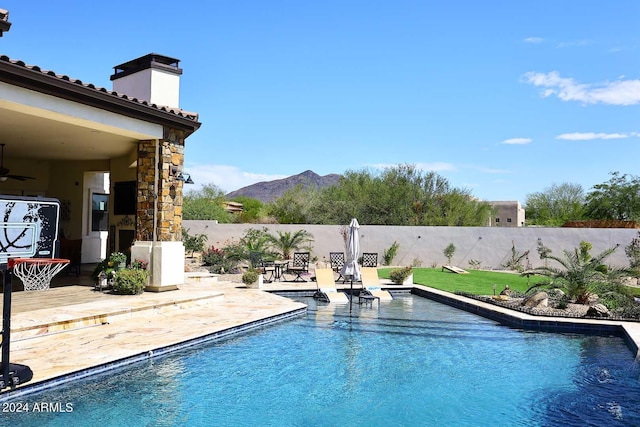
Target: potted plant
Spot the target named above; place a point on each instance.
(252, 278)
(117, 260)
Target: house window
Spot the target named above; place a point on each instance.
(497, 220)
(508, 219)
(99, 212)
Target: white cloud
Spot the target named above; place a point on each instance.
(517, 141)
(587, 136)
(619, 92)
(228, 178)
(534, 40)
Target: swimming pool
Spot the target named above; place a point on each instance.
(413, 362)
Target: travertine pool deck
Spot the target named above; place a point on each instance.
(70, 332)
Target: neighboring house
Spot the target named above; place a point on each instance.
(233, 207)
(507, 214)
(114, 158)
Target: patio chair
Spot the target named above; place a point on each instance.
(371, 284)
(327, 290)
(337, 262)
(267, 268)
(299, 265)
(370, 259)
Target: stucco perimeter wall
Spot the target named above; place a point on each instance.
(490, 245)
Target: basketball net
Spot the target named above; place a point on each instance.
(36, 273)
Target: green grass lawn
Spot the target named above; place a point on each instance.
(478, 282)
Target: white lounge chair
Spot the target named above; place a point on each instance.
(371, 284)
(327, 290)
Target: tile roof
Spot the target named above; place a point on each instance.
(61, 77)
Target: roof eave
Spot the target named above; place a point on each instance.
(34, 78)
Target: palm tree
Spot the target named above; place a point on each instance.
(286, 243)
(580, 271)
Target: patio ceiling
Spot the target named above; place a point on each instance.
(38, 137)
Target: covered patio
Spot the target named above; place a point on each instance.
(113, 157)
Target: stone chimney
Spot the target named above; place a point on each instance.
(153, 78)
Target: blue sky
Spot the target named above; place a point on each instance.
(504, 98)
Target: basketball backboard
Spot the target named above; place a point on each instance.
(28, 227)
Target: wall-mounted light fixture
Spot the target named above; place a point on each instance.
(176, 172)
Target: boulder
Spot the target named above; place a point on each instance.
(540, 299)
(592, 299)
(597, 310)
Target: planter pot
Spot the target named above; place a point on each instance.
(257, 284)
(409, 280)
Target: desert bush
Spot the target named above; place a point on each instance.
(449, 251)
(130, 281)
(390, 253)
(399, 275)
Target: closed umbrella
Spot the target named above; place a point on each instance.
(351, 267)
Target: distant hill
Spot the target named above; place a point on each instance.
(267, 191)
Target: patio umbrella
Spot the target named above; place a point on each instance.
(351, 267)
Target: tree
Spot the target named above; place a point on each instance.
(580, 271)
(632, 250)
(286, 242)
(617, 199)
(292, 207)
(399, 195)
(556, 205)
(449, 251)
(206, 204)
(252, 209)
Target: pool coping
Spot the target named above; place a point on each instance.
(161, 351)
(629, 331)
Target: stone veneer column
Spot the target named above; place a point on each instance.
(160, 204)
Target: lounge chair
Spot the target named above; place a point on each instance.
(371, 284)
(327, 290)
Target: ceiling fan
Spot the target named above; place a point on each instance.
(4, 172)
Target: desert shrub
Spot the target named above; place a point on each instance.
(390, 253)
(130, 281)
(193, 243)
(475, 264)
(449, 251)
(515, 260)
(399, 275)
(250, 276)
(223, 260)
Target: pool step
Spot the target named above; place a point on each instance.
(106, 309)
(200, 276)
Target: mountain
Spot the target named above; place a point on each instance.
(267, 191)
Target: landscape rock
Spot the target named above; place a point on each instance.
(540, 299)
(598, 310)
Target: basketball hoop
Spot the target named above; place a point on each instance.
(36, 273)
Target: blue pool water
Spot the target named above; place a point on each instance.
(413, 362)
